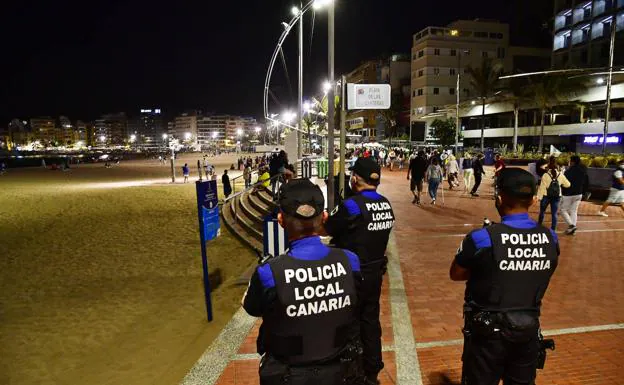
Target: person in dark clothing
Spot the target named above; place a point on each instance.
(479, 172)
(573, 195)
(417, 169)
(308, 300)
(504, 288)
(362, 224)
(227, 187)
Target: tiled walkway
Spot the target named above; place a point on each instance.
(584, 306)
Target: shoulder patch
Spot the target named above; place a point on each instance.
(266, 276)
(481, 238)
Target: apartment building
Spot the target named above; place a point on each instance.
(582, 33)
(363, 122)
(439, 54)
(44, 129)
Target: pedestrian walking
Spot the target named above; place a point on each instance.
(549, 192)
(616, 193)
(417, 170)
(3, 168)
(479, 172)
(504, 289)
(186, 172)
(227, 187)
(573, 195)
(452, 171)
(247, 176)
(434, 176)
(468, 172)
(392, 157)
(311, 340)
(362, 223)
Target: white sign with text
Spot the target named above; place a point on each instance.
(368, 96)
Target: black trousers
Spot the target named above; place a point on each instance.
(487, 360)
(478, 179)
(370, 327)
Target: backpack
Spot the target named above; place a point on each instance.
(553, 190)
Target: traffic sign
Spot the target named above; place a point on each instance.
(369, 96)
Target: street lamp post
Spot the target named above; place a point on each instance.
(331, 109)
(609, 83)
(300, 94)
(458, 92)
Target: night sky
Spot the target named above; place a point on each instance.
(82, 59)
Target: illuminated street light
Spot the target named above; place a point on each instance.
(214, 135)
(318, 4)
(165, 136)
(187, 136)
(600, 81)
(473, 102)
(258, 129)
(326, 87)
(102, 138)
(239, 132)
(294, 11)
(132, 138)
(307, 106)
(288, 116)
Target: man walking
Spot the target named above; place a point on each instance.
(362, 224)
(477, 167)
(185, 172)
(572, 196)
(227, 187)
(417, 168)
(616, 194)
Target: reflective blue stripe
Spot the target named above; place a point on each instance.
(266, 276)
(481, 239)
(355, 261)
(519, 221)
(370, 194)
(352, 207)
(308, 249)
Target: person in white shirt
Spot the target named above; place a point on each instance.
(616, 194)
(549, 192)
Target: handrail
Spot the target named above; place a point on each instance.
(233, 181)
(278, 176)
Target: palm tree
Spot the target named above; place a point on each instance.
(550, 91)
(484, 81)
(515, 92)
(390, 116)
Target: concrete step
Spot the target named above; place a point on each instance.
(241, 232)
(247, 223)
(257, 215)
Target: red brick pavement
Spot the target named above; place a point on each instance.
(585, 290)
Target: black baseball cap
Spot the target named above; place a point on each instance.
(302, 199)
(368, 169)
(516, 182)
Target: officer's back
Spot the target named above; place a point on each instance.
(508, 267)
(307, 299)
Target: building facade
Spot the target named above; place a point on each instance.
(363, 122)
(211, 131)
(184, 128)
(44, 130)
(111, 130)
(439, 54)
(147, 131)
(582, 33)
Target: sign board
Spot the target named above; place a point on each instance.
(208, 205)
(209, 228)
(595, 139)
(368, 96)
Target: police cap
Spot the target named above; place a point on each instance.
(368, 169)
(302, 199)
(516, 182)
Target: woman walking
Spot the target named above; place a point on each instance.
(468, 172)
(434, 178)
(549, 192)
(452, 172)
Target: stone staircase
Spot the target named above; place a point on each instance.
(244, 215)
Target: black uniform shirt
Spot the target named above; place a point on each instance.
(475, 252)
(261, 291)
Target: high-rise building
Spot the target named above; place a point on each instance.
(582, 33)
(439, 53)
(147, 130)
(211, 130)
(395, 70)
(184, 128)
(44, 130)
(112, 130)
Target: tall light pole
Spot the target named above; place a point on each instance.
(609, 82)
(299, 12)
(458, 92)
(331, 108)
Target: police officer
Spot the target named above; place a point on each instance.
(507, 267)
(362, 224)
(307, 299)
